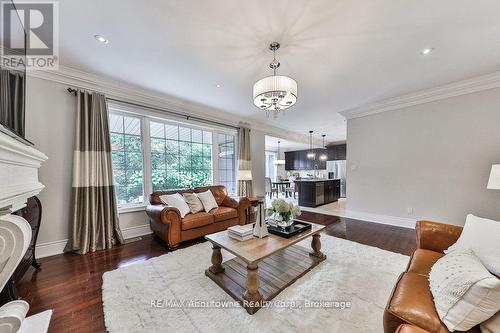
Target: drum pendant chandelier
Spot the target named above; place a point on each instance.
(275, 93)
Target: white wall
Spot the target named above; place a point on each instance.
(258, 154)
(434, 158)
(50, 124)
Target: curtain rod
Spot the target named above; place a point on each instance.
(164, 110)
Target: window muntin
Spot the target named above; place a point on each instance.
(181, 156)
(226, 159)
(127, 156)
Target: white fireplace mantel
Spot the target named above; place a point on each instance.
(19, 164)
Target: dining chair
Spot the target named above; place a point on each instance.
(270, 189)
(292, 188)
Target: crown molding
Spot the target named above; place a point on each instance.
(480, 83)
(130, 93)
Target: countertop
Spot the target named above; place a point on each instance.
(315, 180)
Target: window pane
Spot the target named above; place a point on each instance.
(172, 161)
(126, 152)
(197, 149)
(187, 158)
(117, 141)
(207, 137)
(157, 145)
(157, 130)
(226, 170)
(115, 123)
(172, 132)
(196, 135)
(158, 161)
(133, 143)
(118, 160)
(158, 178)
(132, 125)
(172, 147)
(184, 134)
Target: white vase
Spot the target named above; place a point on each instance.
(260, 227)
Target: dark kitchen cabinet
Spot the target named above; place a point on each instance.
(297, 160)
(337, 152)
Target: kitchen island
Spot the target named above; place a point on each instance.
(317, 192)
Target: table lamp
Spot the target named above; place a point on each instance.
(494, 181)
(244, 176)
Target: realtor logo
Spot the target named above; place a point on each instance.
(30, 34)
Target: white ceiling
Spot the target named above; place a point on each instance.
(343, 53)
(285, 145)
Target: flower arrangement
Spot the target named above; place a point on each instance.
(286, 210)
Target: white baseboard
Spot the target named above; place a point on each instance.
(50, 248)
(382, 219)
(57, 247)
(136, 231)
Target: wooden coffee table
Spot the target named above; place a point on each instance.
(263, 267)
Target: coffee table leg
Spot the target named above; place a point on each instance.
(316, 246)
(216, 260)
(252, 293)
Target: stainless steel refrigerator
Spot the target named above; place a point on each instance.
(337, 170)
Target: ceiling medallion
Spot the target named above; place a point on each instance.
(275, 93)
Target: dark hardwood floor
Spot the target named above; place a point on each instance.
(70, 284)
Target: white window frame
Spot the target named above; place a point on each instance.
(146, 116)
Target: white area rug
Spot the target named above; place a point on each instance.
(353, 272)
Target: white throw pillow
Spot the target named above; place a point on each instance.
(492, 325)
(176, 200)
(483, 237)
(193, 202)
(208, 200)
(465, 293)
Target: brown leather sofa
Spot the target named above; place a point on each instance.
(410, 329)
(411, 300)
(166, 221)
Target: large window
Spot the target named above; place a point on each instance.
(227, 168)
(181, 157)
(270, 167)
(126, 146)
(152, 154)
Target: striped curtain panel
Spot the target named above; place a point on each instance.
(95, 224)
(244, 160)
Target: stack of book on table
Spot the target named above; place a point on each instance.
(241, 232)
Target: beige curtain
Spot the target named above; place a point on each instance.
(244, 160)
(95, 224)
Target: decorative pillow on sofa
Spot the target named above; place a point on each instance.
(465, 293)
(194, 203)
(492, 325)
(208, 200)
(481, 236)
(176, 200)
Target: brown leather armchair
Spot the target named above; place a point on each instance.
(411, 301)
(166, 221)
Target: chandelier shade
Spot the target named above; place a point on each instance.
(275, 93)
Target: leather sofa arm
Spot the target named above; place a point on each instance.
(162, 213)
(436, 236)
(240, 204)
(406, 328)
(236, 202)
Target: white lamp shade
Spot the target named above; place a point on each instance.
(494, 182)
(244, 175)
(275, 93)
(279, 162)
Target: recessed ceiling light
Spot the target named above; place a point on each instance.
(101, 39)
(427, 50)
(218, 85)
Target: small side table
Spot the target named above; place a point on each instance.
(254, 202)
